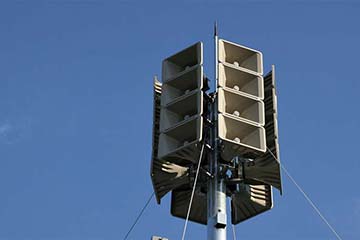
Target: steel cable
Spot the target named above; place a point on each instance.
(306, 197)
(193, 192)
(138, 217)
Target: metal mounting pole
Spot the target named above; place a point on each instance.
(216, 196)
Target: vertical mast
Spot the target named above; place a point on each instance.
(216, 223)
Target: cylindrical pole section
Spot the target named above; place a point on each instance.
(216, 196)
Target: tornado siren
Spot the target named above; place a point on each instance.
(234, 129)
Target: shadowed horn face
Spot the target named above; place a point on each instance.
(178, 120)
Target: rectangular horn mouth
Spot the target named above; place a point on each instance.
(180, 111)
(240, 106)
(240, 56)
(183, 85)
(181, 141)
(241, 80)
(182, 61)
(240, 137)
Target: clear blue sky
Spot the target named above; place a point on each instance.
(76, 113)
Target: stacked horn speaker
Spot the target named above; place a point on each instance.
(241, 121)
(240, 101)
(182, 105)
(246, 109)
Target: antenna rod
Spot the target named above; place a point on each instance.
(215, 29)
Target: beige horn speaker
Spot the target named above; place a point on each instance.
(181, 110)
(185, 84)
(240, 138)
(181, 121)
(241, 106)
(182, 61)
(181, 143)
(240, 57)
(241, 81)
